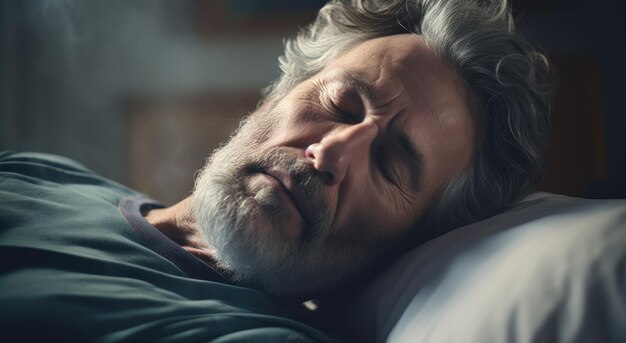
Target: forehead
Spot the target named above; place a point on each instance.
(401, 63)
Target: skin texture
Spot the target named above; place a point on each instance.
(416, 93)
(344, 164)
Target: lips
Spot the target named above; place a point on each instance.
(292, 189)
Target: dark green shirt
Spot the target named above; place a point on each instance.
(77, 264)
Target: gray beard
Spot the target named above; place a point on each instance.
(259, 256)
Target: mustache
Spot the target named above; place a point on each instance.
(302, 172)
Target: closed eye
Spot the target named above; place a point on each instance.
(343, 100)
(387, 168)
(398, 163)
(349, 101)
(346, 115)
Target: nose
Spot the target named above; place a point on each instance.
(341, 150)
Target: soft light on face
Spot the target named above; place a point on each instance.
(311, 191)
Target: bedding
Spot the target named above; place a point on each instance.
(551, 269)
(79, 265)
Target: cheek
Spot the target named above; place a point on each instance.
(293, 128)
(242, 147)
(253, 131)
(372, 215)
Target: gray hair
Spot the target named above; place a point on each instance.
(510, 83)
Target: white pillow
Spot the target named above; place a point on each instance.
(552, 269)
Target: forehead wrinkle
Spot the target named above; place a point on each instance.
(391, 85)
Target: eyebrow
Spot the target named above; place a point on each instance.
(414, 160)
(359, 82)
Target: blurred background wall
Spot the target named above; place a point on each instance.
(142, 91)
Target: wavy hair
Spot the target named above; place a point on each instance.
(511, 85)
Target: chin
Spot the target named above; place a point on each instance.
(244, 242)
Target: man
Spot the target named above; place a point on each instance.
(392, 123)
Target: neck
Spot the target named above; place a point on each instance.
(178, 224)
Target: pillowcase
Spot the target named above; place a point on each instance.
(551, 269)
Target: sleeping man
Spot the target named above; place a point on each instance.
(392, 122)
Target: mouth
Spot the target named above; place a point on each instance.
(291, 189)
(292, 226)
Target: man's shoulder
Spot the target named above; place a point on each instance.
(39, 158)
(54, 175)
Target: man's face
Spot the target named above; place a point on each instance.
(317, 185)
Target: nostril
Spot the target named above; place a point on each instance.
(314, 154)
(311, 151)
